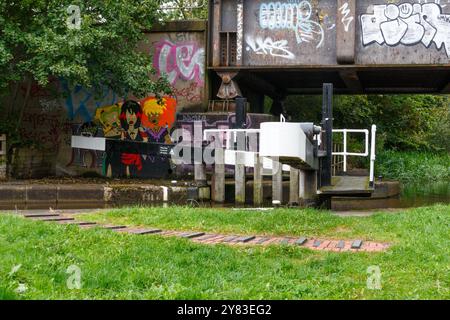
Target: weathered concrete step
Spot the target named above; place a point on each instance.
(301, 241)
(357, 244)
(192, 235)
(244, 239)
(40, 215)
(77, 223)
(112, 227)
(53, 219)
(139, 231)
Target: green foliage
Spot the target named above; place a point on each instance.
(37, 43)
(185, 9)
(121, 266)
(414, 167)
(405, 122)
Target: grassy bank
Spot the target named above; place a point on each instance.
(414, 167)
(150, 267)
(279, 222)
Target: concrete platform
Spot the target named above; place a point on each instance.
(348, 186)
(35, 196)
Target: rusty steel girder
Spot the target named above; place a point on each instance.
(360, 46)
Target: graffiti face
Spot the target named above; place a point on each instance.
(184, 60)
(158, 114)
(137, 121)
(407, 24)
(109, 119)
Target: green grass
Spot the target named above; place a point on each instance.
(414, 167)
(150, 267)
(279, 222)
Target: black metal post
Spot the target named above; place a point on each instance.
(241, 112)
(327, 141)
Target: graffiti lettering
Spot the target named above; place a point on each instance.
(79, 101)
(268, 46)
(347, 18)
(407, 24)
(190, 93)
(183, 60)
(291, 16)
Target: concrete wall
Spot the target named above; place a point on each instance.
(177, 50)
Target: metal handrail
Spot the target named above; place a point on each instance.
(346, 154)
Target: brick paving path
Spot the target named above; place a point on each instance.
(232, 240)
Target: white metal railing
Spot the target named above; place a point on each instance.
(345, 154)
(229, 137)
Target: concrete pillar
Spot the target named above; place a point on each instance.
(294, 186)
(218, 179)
(200, 174)
(239, 176)
(277, 180)
(308, 185)
(258, 198)
(199, 167)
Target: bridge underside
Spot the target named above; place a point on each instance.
(282, 81)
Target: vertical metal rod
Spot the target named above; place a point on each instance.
(277, 180)
(345, 150)
(327, 122)
(373, 156)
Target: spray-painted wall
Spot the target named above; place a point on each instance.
(177, 51)
(306, 32)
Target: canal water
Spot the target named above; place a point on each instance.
(411, 196)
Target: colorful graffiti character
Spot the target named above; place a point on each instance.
(158, 116)
(150, 119)
(109, 118)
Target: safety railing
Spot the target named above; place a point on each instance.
(230, 140)
(368, 150)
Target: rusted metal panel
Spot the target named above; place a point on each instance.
(330, 32)
(289, 32)
(296, 45)
(403, 32)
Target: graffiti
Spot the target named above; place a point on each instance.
(184, 60)
(407, 24)
(91, 159)
(268, 46)
(158, 118)
(291, 16)
(78, 100)
(109, 119)
(347, 18)
(148, 120)
(190, 94)
(48, 136)
(240, 30)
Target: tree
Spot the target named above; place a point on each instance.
(86, 42)
(185, 9)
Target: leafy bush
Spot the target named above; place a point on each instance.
(414, 167)
(405, 122)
